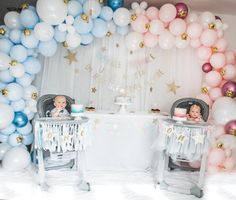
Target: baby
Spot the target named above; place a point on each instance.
(194, 113)
(60, 107)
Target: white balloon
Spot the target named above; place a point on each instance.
(134, 5)
(191, 17)
(92, 8)
(29, 92)
(133, 40)
(53, 12)
(180, 43)
(43, 31)
(73, 40)
(166, 40)
(62, 27)
(156, 27)
(31, 104)
(70, 19)
(207, 18)
(17, 70)
(70, 29)
(4, 61)
(121, 17)
(12, 20)
(4, 147)
(224, 110)
(143, 5)
(16, 159)
(6, 115)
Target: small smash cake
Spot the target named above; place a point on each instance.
(77, 110)
(180, 114)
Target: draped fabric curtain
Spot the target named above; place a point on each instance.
(154, 78)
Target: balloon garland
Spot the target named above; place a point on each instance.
(78, 22)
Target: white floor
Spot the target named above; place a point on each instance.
(108, 186)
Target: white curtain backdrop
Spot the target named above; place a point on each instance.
(105, 67)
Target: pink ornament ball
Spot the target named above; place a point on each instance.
(229, 89)
(182, 10)
(230, 127)
(206, 67)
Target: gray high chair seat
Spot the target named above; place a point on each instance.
(183, 142)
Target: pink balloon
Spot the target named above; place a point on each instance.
(140, 24)
(152, 13)
(150, 40)
(205, 98)
(212, 169)
(167, 12)
(221, 45)
(208, 37)
(218, 131)
(229, 164)
(229, 55)
(217, 60)
(228, 152)
(215, 93)
(204, 53)
(177, 26)
(213, 78)
(229, 72)
(222, 83)
(195, 43)
(216, 156)
(194, 30)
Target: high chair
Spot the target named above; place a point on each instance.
(59, 142)
(183, 142)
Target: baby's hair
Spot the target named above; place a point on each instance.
(54, 99)
(195, 106)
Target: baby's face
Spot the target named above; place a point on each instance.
(60, 102)
(195, 112)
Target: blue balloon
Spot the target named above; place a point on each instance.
(2, 85)
(6, 77)
(3, 138)
(74, 8)
(18, 105)
(20, 119)
(19, 53)
(29, 41)
(82, 26)
(100, 28)
(15, 36)
(8, 130)
(115, 4)
(25, 80)
(59, 36)
(86, 39)
(122, 30)
(15, 91)
(5, 45)
(48, 48)
(81, 1)
(25, 130)
(106, 13)
(32, 65)
(28, 139)
(15, 139)
(28, 18)
(3, 99)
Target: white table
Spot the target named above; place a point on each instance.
(121, 141)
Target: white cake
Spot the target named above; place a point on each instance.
(123, 100)
(180, 114)
(77, 110)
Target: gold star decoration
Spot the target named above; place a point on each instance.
(71, 57)
(94, 90)
(103, 49)
(198, 138)
(159, 73)
(173, 87)
(88, 67)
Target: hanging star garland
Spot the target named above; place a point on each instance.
(173, 87)
(159, 73)
(94, 90)
(71, 57)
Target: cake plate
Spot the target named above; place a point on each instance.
(123, 107)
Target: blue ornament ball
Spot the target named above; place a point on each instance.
(115, 4)
(20, 119)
